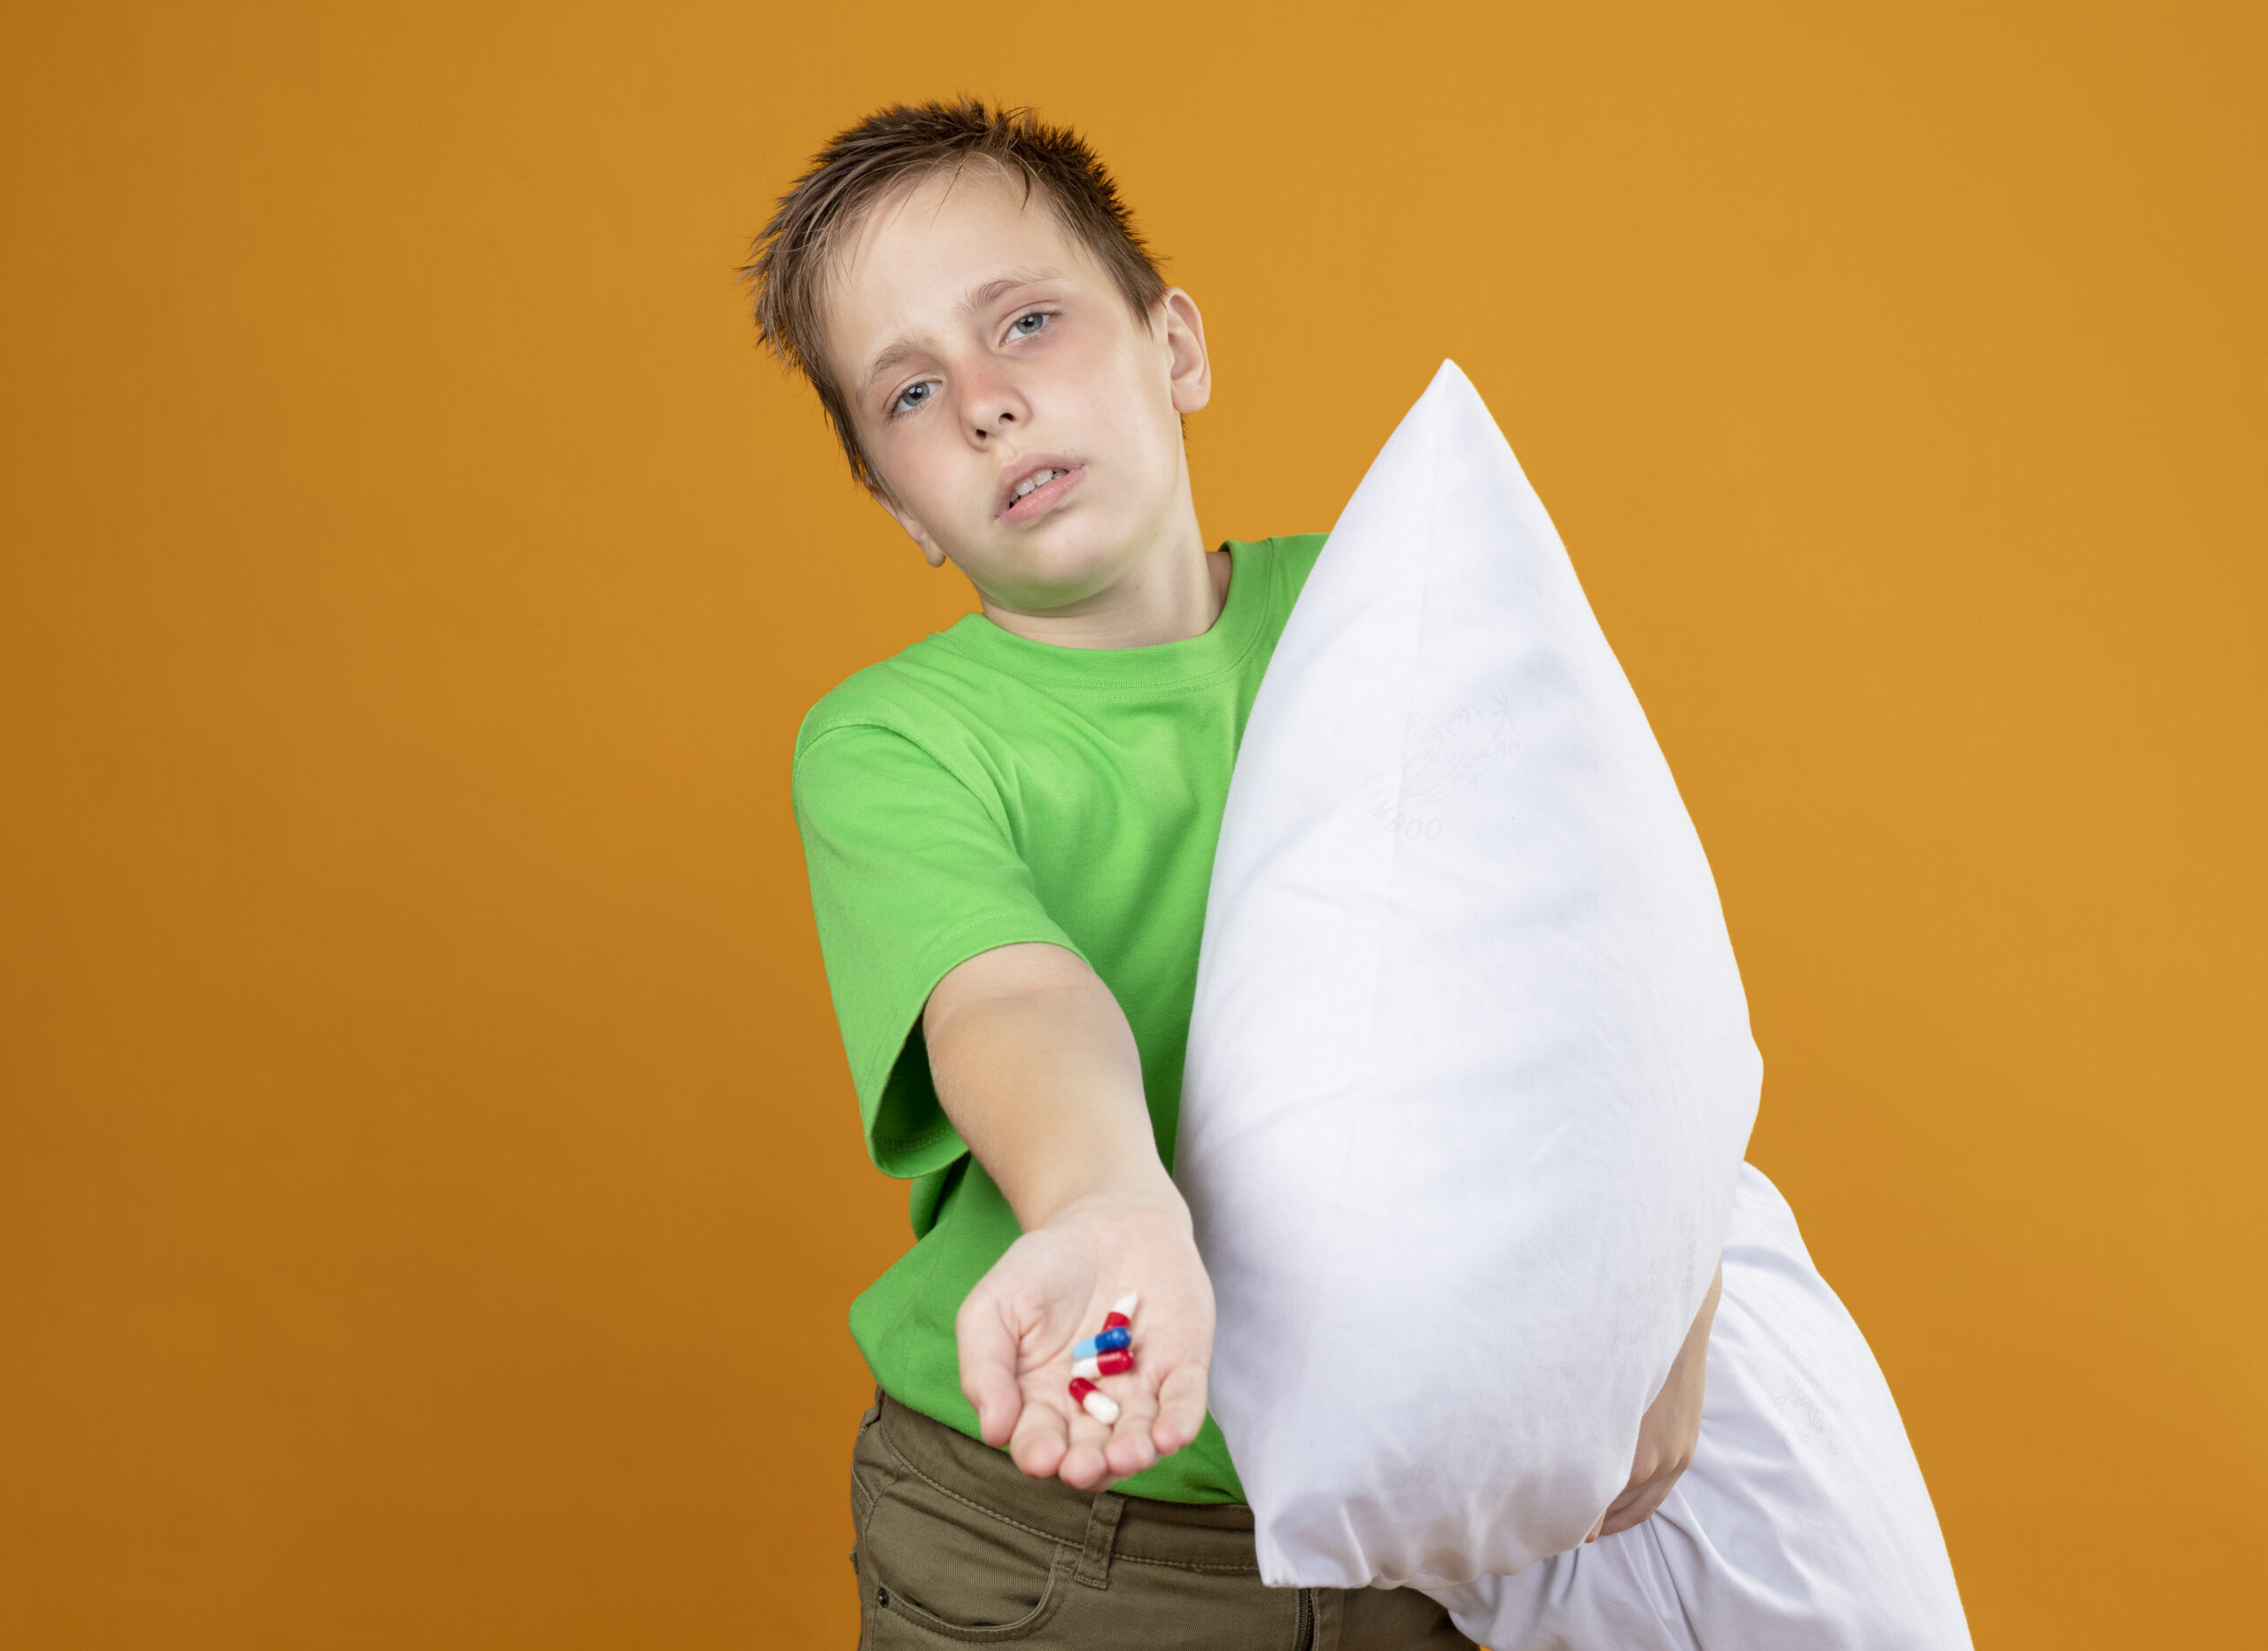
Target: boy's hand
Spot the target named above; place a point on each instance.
(1670, 1428)
(1052, 1288)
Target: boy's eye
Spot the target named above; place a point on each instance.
(912, 395)
(1027, 325)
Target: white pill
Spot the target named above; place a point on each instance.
(1100, 1406)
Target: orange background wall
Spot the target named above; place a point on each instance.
(429, 1188)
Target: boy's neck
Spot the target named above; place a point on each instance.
(1169, 598)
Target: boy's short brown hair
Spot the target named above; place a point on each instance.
(789, 262)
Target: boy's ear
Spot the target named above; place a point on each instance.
(931, 552)
(1189, 367)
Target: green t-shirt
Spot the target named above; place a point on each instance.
(981, 789)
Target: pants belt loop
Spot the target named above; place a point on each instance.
(1102, 1537)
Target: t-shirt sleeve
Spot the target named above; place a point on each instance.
(912, 873)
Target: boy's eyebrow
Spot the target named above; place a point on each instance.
(1000, 284)
(901, 350)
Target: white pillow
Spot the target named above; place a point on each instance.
(1470, 1074)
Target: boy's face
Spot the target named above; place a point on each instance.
(980, 348)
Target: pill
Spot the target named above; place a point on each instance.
(1109, 1341)
(1117, 1322)
(1116, 1363)
(1124, 1307)
(1093, 1400)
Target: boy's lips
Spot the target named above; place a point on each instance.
(1042, 498)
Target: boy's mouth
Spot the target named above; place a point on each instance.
(1036, 485)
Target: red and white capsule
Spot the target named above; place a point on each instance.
(1094, 1401)
(1121, 1312)
(1118, 1362)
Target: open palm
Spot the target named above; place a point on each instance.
(1054, 1286)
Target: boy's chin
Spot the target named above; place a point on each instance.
(1047, 571)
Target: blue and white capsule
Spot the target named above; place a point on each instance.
(1111, 1340)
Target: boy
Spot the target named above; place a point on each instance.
(1009, 829)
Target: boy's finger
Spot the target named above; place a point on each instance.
(1085, 1466)
(988, 1368)
(1181, 1408)
(1637, 1510)
(1613, 1520)
(1041, 1442)
(1130, 1448)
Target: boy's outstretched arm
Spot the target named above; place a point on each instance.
(1035, 1065)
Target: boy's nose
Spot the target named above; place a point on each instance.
(993, 405)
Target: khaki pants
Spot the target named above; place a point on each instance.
(958, 1547)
